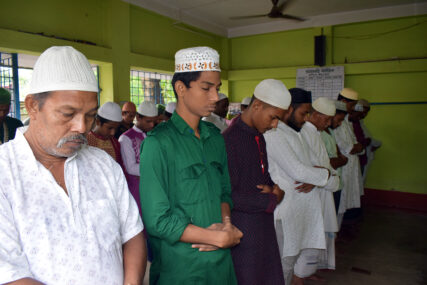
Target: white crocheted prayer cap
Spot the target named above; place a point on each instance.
(196, 59)
(325, 106)
(110, 111)
(246, 101)
(273, 92)
(340, 105)
(358, 107)
(148, 109)
(222, 96)
(170, 107)
(62, 68)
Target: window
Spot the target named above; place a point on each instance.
(152, 86)
(8, 68)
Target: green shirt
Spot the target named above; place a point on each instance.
(331, 148)
(184, 180)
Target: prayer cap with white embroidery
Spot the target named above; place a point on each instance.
(349, 94)
(110, 111)
(4, 96)
(222, 96)
(246, 101)
(170, 107)
(340, 105)
(364, 103)
(148, 109)
(62, 68)
(196, 59)
(358, 107)
(325, 106)
(273, 92)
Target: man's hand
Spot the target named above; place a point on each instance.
(278, 192)
(265, 188)
(357, 148)
(304, 187)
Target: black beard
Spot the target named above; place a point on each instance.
(291, 123)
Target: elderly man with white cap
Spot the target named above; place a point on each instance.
(255, 196)
(67, 216)
(319, 120)
(299, 218)
(185, 186)
(130, 145)
(107, 122)
(217, 117)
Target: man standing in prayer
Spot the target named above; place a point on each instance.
(128, 115)
(107, 122)
(130, 145)
(374, 144)
(336, 158)
(8, 125)
(319, 120)
(67, 216)
(217, 117)
(185, 186)
(255, 196)
(348, 145)
(354, 118)
(299, 219)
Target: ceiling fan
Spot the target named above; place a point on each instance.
(276, 12)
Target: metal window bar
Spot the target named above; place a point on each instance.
(9, 80)
(152, 86)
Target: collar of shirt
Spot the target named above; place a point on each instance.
(239, 122)
(138, 130)
(217, 117)
(184, 128)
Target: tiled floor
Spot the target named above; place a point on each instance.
(390, 247)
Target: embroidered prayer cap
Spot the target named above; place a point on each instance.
(222, 96)
(300, 95)
(196, 59)
(349, 94)
(273, 92)
(62, 68)
(110, 111)
(340, 105)
(246, 101)
(170, 107)
(325, 106)
(358, 107)
(364, 103)
(148, 109)
(4, 96)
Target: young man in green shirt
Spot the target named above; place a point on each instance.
(185, 185)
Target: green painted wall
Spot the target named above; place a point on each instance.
(368, 52)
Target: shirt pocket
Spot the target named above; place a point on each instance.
(103, 223)
(193, 181)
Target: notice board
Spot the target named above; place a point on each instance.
(321, 81)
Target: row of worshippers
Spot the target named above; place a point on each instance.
(213, 205)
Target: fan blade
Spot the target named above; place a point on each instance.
(274, 2)
(290, 17)
(283, 6)
(247, 17)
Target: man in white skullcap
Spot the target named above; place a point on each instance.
(185, 186)
(255, 196)
(217, 117)
(67, 216)
(245, 103)
(351, 148)
(169, 110)
(299, 218)
(107, 122)
(320, 119)
(336, 158)
(374, 143)
(130, 145)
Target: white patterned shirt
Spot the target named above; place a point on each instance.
(56, 238)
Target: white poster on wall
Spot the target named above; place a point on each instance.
(321, 81)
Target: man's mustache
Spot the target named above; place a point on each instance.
(70, 138)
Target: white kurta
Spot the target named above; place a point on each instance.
(351, 174)
(370, 154)
(57, 238)
(128, 153)
(319, 156)
(219, 122)
(299, 213)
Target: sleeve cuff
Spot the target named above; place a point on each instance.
(272, 203)
(175, 235)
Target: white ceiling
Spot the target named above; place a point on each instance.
(214, 15)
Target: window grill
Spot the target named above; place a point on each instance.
(151, 86)
(7, 73)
